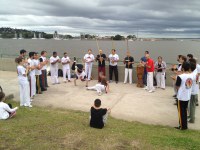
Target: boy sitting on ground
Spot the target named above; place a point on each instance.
(6, 110)
(99, 115)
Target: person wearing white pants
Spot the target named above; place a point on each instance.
(54, 60)
(32, 80)
(160, 67)
(88, 59)
(150, 69)
(129, 61)
(23, 83)
(66, 67)
(100, 87)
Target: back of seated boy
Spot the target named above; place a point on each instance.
(98, 115)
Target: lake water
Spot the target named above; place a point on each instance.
(167, 49)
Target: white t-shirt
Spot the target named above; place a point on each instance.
(195, 85)
(36, 63)
(31, 63)
(185, 89)
(89, 58)
(198, 70)
(53, 59)
(21, 71)
(43, 60)
(114, 57)
(180, 68)
(64, 60)
(5, 110)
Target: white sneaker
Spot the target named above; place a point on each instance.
(30, 106)
(151, 91)
(125, 82)
(100, 93)
(145, 88)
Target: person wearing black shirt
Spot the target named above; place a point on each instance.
(128, 61)
(101, 64)
(98, 115)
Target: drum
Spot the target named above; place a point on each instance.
(140, 72)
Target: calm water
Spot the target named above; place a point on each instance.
(167, 49)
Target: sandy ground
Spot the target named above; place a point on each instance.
(127, 101)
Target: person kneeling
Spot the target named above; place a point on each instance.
(6, 110)
(98, 116)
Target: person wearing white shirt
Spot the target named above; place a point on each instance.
(6, 110)
(88, 59)
(23, 83)
(184, 84)
(38, 73)
(32, 80)
(113, 58)
(66, 67)
(43, 78)
(54, 60)
(195, 90)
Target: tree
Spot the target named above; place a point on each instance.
(118, 37)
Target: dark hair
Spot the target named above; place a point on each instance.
(179, 56)
(186, 66)
(159, 57)
(114, 50)
(193, 66)
(42, 53)
(54, 53)
(97, 103)
(190, 55)
(89, 50)
(65, 53)
(22, 51)
(183, 58)
(147, 52)
(192, 60)
(19, 59)
(2, 94)
(31, 54)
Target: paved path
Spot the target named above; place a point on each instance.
(127, 101)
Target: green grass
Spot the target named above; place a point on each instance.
(42, 128)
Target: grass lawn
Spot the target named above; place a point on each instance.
(42, 128)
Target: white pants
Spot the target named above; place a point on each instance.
(32, 85)
(24, 90)
(98, 87)
(128, 72)
(54, 75)
(150, 81)
(160, 78)
(66, 71)
(88, 70)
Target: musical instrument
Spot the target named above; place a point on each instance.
(140, 73)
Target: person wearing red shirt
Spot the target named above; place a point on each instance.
(150, 70)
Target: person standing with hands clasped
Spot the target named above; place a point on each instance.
(88, 59)
(66, 67)
(113, 59)
(101, 57)
(160, 67)
(54, 60)
(150, 69)
(129, 61)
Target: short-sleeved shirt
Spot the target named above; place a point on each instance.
(184, 82)
(53, 59)
(21, 72)
(43, 59)
(96, 120)
(127, 60)
(144, 59)
(115, 58)
(36, 63)
(151, 64)
(89, 58)
(64, 60)
(101, 64)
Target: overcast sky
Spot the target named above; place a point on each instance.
(151, 18)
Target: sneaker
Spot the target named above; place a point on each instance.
(145, 88)
(69, 80)
(174, 95)
(151, 91)
(191, 121)
(30, 106)
(197, 104)
(100, 93)
(116, 82)
(125, 82)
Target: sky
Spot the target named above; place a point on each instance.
(145, 18)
